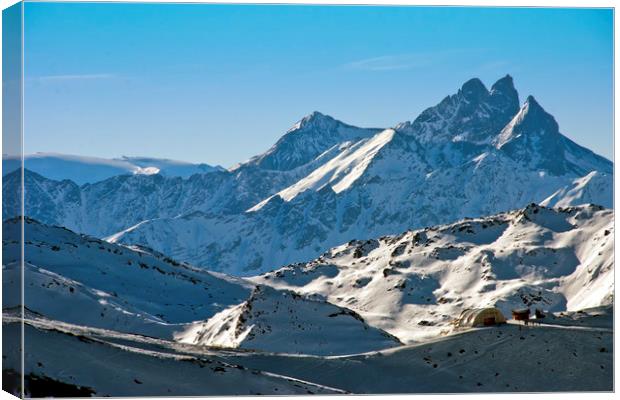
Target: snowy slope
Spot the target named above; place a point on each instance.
(89, 363)
(546, 358)
(454, 161)
(570, 352)
(414, 284)
(340, 172)
(285, 322)
(82, 169)
(87, 281)
(595, 188)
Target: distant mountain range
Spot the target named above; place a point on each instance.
(476, 153)
(81, 169)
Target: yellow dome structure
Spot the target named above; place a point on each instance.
(480, 317)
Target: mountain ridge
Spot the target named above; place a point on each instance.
(475, 153)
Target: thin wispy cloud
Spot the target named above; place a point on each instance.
(388, 63)
(404, 61)
(72, 77)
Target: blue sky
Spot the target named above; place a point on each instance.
(220, 83)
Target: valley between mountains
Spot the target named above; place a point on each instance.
(335, 262)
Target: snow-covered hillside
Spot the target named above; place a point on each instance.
(454, 161)
(570, 352)
(81, 169)
(546, 358)
(415, 284)
(89, 282)
(64, 360)
(97, 313)
(84, 280)
(285, 322)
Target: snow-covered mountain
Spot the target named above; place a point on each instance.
(118, 194)
(107, 206)
(82, 169)
(411, 285)
(404, 228)
(476, 153)
(455, 160)
(119, 202)
(414, 284)
(308, 139)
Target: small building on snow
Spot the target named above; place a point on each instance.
(480, 317)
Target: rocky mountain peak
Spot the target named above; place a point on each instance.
(474, 114)
(474, 89)
(533, 138)
(534, 119)
(316, 121)
(504, 96)
(504, 84)
(307, 139)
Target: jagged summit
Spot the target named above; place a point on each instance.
(531, 102)
(531, 119)
(316, 120)
(308, 138)
(504, 84)
(536, 114)
(474, 114)
(315, 116)
(313, 120)
(533, 138)
(533, 108)
(474, 89)
(504, 95)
